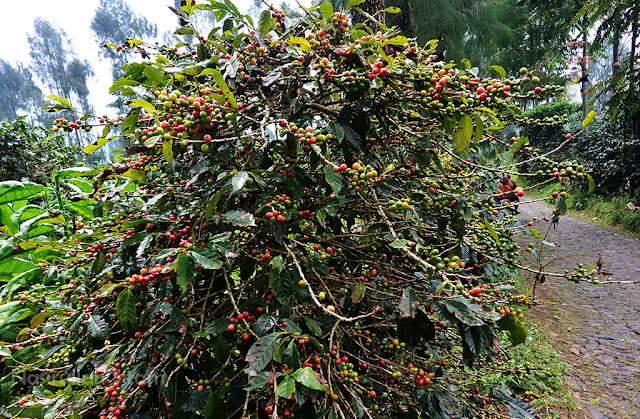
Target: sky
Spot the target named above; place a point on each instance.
(74, 17)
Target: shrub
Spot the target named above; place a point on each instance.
(305, 226)
(31, 152)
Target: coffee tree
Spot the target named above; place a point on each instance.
(305, 226)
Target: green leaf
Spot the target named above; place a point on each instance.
(261, 380)
(535, 233)
(144, 243)
(261, 353)
(121, 83)
(187, 30)
(517, 331)
(358, 293)
(399, 244)
(353, 3)
(468, 312)
(60, 99)
(4, 352)
(153, 74)
(589, 119)
(491, 230)
(398, 40)
(462, 134)
(216, 407)
(592, 184)
(135, 174)
(11, 191)
(282, 286)
(290, 356)
(214, 201)
(219, 79)
(97, 145)
(238, 181)
(206, 262)
(217, 326)
(21, 281)
(265, 22)
(130, 121)
(466, 63)
(240, 218)
(561, 205)
(126, 309)
(142, 104)
(308, 378)
(516, 408)
(333, 179)
(185, 271)
(408, 303)
(98, 327)
(286, 388)
(501, 71)
(313, 326)
(277, 263)
(326, 9)
(167, 151)
(221, 350)
(73, 171)
(304, 45)
(392, 10)
(479, 129)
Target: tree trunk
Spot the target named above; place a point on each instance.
(615, 54)
(632, 66)
(373, 7)
(404, 20)
(584, 74)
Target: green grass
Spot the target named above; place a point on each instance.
(605, 209)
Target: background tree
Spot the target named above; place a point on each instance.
(113, 23)
(21, 95)
(57, 68)
(59, 71)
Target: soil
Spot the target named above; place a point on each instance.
(596, 327)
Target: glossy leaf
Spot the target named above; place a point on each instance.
(462, 134)
(286, 388)
(167, 150)
(98, 327)
(205, 261)
(333, 179)
(261, 353)
(308, 378)
(126, 309)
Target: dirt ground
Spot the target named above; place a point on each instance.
(596, 327)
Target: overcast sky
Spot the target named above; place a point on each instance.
(74, 17)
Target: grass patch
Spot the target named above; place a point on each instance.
(605, 209)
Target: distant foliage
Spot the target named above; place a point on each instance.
(31, 152)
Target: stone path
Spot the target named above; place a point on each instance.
(597, 327)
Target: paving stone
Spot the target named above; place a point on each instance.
(599, 322)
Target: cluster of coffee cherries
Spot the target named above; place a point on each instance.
(360, 176)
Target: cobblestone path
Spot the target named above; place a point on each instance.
(597, 327)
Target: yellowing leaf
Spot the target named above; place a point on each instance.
(303, 43)
(462, 134)
(167, 150)
(38, 319)
(142, 104)
(589, 119)
(499, 70)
